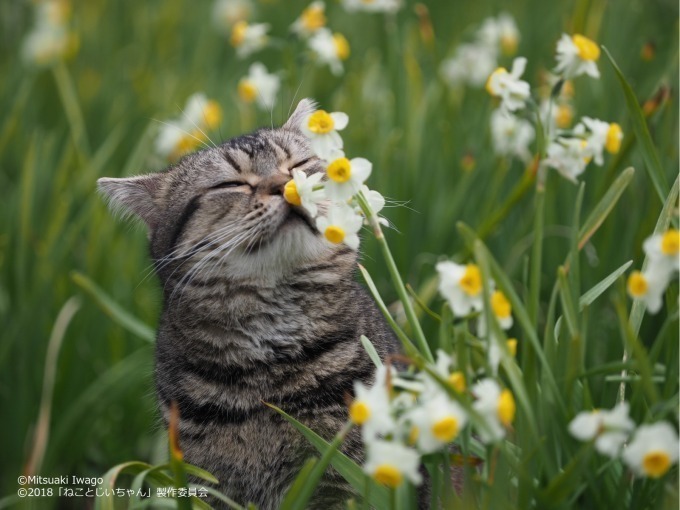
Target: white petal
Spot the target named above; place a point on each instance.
(340, 119)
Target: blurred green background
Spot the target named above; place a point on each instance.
(137, 64)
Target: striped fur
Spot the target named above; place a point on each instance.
(258, 307)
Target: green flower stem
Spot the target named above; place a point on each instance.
(69, 99)
(411, 316)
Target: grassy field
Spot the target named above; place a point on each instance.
(97, 114)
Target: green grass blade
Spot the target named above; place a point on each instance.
(649, 154)
(112, 309)
(589, 297)
(370, 350)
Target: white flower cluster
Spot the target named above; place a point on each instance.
(342, 186)
(180, 136)
(663, 260)
(472, 62)
(51, 39)
(390, 6)
(404, 416)
(652, 450)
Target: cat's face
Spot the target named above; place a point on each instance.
(222, 211)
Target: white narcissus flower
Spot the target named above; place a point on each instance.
(372, 5)
(471, 64)
(497, 407)
(345, 176)
(653, 450)
(249, 38)
(461, 286)
(600, 136)
(312, 19)
(494, 353)
(569, 156)
(322, 129)
(556, 115)
(371, 406)
(50, 40)
(577, 55)
(609, 429)
(390, 463)
(663, 250)
(226, 13)
(259, 85)
(511, 135)
(502, 310)
(341, 225)
(436, 422)
(330, 49)
(500, 32)
(508, 86)
(649, 286)
(300, 191)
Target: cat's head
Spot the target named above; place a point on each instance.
(222, 210)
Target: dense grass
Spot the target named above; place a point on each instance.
(139, 61)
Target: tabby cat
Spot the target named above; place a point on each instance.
(258, 307)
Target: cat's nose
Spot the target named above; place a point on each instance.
(273, 185)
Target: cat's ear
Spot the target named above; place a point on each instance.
(133, 195)
(304, 108)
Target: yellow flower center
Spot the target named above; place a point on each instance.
(500, 305)
(334, 234)
(313, 18)
(290, 193)
(670, 243)
(320, 122)
(587, 49)
(506, 407)
(212, 114)
(187, 143)
(238, 33)
(247, 91)
(512, 346)
(457, 380)
(445, 429)
(341, 46)
(359, 412)
(637, 284)
(509, 44)
(389, 475)
(471, 282)
(413, 435)
(339, 170)
(489, 81)
(656, 463)
(564, 116)
(614, 136)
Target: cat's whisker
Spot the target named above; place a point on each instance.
(184, 131)
(199, 128)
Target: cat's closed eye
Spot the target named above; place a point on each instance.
(300, 163)
(230, 184)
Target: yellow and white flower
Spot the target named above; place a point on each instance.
(372, 5)
(183, 135)
(609, 429)
(461, 285)
(649, 286)
(391, 463)
(260, 86)
(371, 406)
(494, 353)
(436, 422)
(600, 136)
(653, 450)
(500, 32)
(556, 116)
(443, 366)
(312, 19)
(50, 40)
(330, 49)
(322, 129)
(249, 38)
(345, 176)
(663, 250)
(497, 407)
(502, 310)
(569, 156)
(226, 13)
(471, 65)
(300, 190)
(341, 225)
(577, 55)
(511, 135)
(508, 86)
